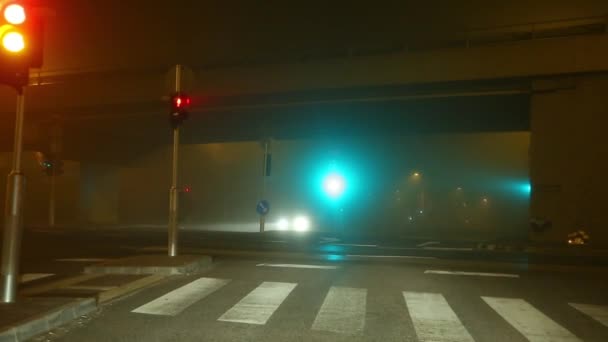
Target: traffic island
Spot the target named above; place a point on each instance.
(153, 264)
(29, 317)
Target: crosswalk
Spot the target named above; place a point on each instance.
(343, 311)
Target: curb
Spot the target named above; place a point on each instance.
(202, 264)
(47, 321)
(107, 296)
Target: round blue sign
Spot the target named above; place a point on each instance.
(263, 207)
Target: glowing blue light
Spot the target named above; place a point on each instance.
(334, 257)
(329, 248)
(526, 188)
(334, 185)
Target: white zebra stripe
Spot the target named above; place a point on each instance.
(433, 318)
(343, 311)
(177, 300)
(529, 321)
(597, 312)
(259, 304)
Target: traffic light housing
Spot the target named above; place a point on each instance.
(21, 42)
(180, 105)
(50, 165)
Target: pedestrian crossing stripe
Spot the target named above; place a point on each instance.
(343, 311)
(259, 304)
(597, 312)
(178, 300)
(434, 319)
(529, 321)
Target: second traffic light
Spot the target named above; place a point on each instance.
(180, 105)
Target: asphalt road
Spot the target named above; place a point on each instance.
(41, 249)
(240, 300)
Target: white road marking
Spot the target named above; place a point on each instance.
(390, 256)
(259, 304)
(27, 277)
(449, 248)
(433, 318)
(597, 312)
(428, 243)
(82, 259)
(481, 274)
(90, 287)
(528, 320)
(343, 311)
(353, 245)
(178, 300)
(323, 267)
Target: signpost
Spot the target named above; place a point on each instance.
(262, 209)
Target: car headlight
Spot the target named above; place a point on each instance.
(282, 224)
(301, 224)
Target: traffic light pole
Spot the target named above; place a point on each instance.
(52, 192)
(173, 192)
(13, 219)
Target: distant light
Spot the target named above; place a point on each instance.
(14, 14)
(416, 174)
(13, 42)
(334, 257)
(187, 189)
(301, 224)
(334, 185)
(526, 188)
(410, 218)
(459, 188)
(282, 224)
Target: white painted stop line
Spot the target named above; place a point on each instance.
(259, 304)
(177, 300)
(480, 274)
(529, 321)
(433, 318)
(343, 311)
(322, 267)
(597, 312)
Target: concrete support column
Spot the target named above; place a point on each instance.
(569, 157)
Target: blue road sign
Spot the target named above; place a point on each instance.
(263, 207)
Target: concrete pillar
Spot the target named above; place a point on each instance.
(569, 157)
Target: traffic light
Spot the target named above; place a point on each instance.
(180, 104)
(21, 40)
(50, 164)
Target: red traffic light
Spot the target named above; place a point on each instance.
(181, 101)
(187, 189)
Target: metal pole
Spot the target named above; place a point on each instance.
(173, 193)
(52, 199)
(265, 175)
(13, 219)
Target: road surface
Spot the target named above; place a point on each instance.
(279, 300)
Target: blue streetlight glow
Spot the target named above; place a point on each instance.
(334, 185)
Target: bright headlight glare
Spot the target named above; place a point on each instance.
(301, 224)
(282, 224)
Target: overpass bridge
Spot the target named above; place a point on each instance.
(546, 75)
